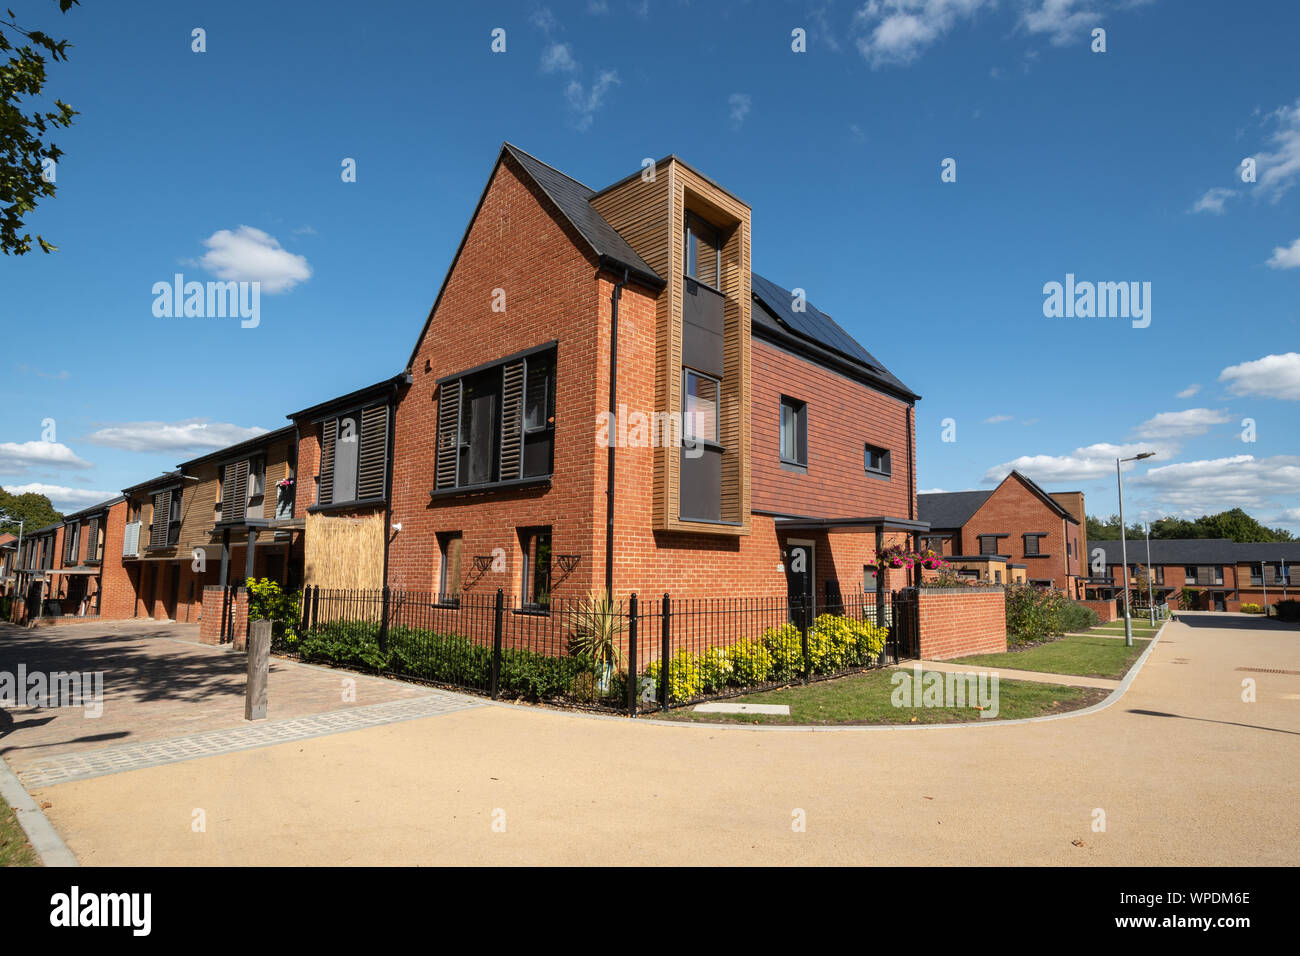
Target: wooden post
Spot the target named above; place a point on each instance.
(259, 664)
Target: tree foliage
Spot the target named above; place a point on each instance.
(25, 126)
(35, 511)
(1234, 524)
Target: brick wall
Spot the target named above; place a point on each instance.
(1106, 610)
(210, 626)
(957, 622)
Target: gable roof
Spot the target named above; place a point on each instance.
(1037, 489)
(949, 509)
(573, 199)
(817, 329)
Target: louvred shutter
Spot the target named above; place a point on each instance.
(1203, 574)
(92, 540)
(325, 487)
(448, 433)
(69, 536)
(512, 421)
(1270, 573)
(234, 492)
(162, 510)
(374, 453)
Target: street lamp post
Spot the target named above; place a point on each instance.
(1123, 544)
(1151, 599)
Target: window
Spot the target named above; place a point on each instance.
(877, 460)
(702, 248)
(450, 548)
(870, 579)
(934, 543)
(166, 528)
(536, 583)
(497, 424)
(988, 544)
(794, 431)
(1160, 574)
(354, 457)
(1257, 573)
(71, 551)
(1189, 574)
(997, 577)
(700, 404)
(1033, 544)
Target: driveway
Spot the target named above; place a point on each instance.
(1180, 769)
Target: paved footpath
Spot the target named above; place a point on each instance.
(1181, 769)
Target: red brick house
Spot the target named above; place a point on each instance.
(1217, 574)
(1044, 533)
(605, 394)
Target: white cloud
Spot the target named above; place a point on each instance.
(1286, 257)
(740, 104)
(558, 58)
(1277, 170)
(63, 498)
(598, 7)
(543, 19)
(24, 456)
(251, 255)
(1273, 376)
(1083, 464)
(1189, 391)
(193, 434)
(996, 419)
(931, 491)
(896, 31)
(587, 102)
(1210, 485)
(1184, 424)
(1062, 21)
(1213, 200)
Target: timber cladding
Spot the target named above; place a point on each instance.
(344, 552)
(652, 217)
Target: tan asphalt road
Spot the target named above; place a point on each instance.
(1184, 771)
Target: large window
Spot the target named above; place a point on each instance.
(497, 424)
(166, 528)
(1033, 544)
(536, 583)
(877, 460)
(450, 548)
(989, 543)
(794, 431)
(354, 457)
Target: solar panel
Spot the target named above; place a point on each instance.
(811, 323)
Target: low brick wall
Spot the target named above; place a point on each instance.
(1105, 609)
(955, 622)
(210, 624)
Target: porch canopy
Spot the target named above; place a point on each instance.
(91, 572)
(880, 524)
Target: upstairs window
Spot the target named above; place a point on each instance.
(700, 404)
(166, 528)
(702, 251)
(794, 432)
(497, 424)
(71, 551)
(1189, 574)
(988, 544)
(1033, 544)
(94, 544)
(877, 460)
(354, 457)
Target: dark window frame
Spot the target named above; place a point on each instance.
(444, 544)
(688, 434)
(798, 409)
(533, 572)
(886, 469)
(689, 233)
(1036, 537)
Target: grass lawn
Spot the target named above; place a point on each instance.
(865, 699)
(1082, 656)
(14, 848)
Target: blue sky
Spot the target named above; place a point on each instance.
(1115, 166)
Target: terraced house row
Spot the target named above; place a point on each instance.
(604, 394)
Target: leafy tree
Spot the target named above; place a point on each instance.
(24, 147)
(34, 510)
(1234, 524)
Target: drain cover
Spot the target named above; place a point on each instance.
(1267, 670)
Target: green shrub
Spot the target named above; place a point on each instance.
(267, 601)
(751, 663)
(1073, 616)
(785, 644)
(684, 680)
(1288, 610)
